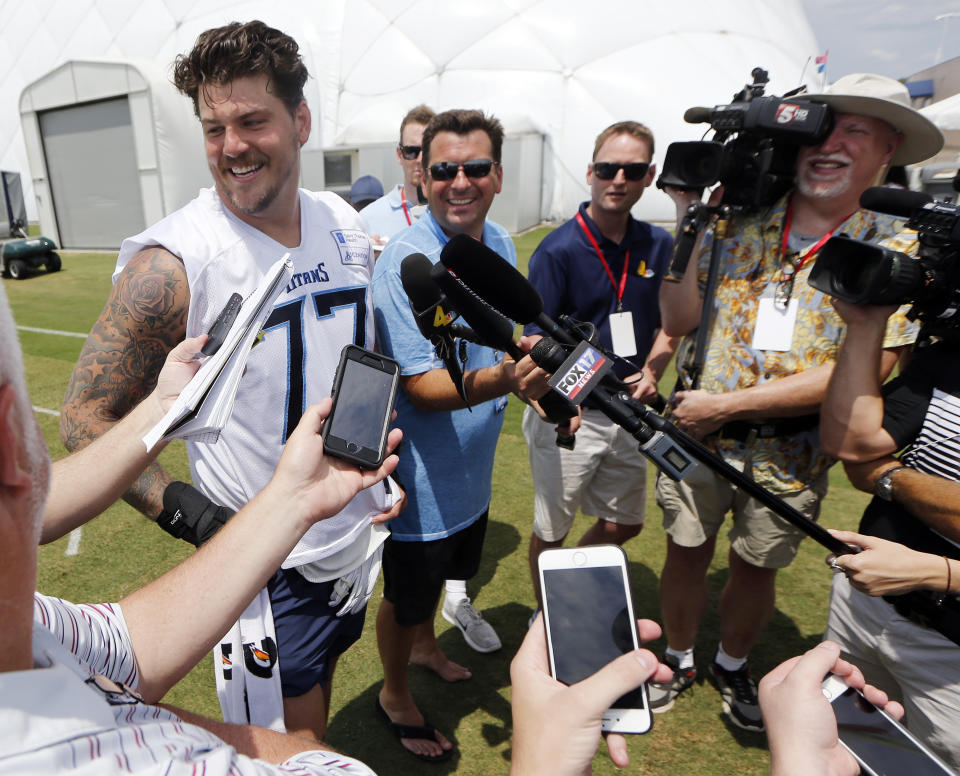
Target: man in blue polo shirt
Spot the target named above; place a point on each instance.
(400, 207)
(604, 267)
(449, 444)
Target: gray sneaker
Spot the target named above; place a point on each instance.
(739, 697)
(663, 694)
(477, 632)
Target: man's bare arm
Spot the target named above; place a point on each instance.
(933, 500)
(259, 743)
(143, 319)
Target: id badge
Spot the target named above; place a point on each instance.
(774, 328)
(621, 333)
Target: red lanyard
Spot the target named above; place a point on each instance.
(403, 204)
(596, 248)
(808, 252)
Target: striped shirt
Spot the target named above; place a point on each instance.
(75, 712)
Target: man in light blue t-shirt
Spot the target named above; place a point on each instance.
(401, 206)
(447, 461)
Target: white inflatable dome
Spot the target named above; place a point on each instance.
(563, 68)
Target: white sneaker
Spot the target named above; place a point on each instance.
(477, 632)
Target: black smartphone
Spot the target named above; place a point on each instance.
(222, 325)
(880, 744)
(588, 612)
(364, 390)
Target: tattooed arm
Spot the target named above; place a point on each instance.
(145, 316)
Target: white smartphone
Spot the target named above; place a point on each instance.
(588, 611)
(881, 745)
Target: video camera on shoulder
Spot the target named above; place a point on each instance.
(861, 273)
(754, 148)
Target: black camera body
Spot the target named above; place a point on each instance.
(861, 273)
(754, 148)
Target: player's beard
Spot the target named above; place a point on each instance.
(267, 198)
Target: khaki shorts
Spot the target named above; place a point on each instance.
(695, 508)
(605, 475)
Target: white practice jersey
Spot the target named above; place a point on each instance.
(326, 306)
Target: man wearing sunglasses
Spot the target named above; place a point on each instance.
(447, 461)
(602, 267)
(401, 206)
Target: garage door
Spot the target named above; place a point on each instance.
(92, 166)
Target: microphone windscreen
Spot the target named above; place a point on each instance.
(492, 278)
(417, 283)
(894, 202)
(548, 354)
(488, 324)
(697, 115)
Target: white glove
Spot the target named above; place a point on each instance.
(355, 587)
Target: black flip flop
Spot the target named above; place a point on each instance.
(425, 730)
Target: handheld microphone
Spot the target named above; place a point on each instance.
(432, 311)
(433, 315)
(648, 428)
(698, 115)
(499, 284)
(894, 202)
(437, 297)
(492, 328)
(501, 288)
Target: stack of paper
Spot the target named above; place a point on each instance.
(205, 404)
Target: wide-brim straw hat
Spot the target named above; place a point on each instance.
(867, 94)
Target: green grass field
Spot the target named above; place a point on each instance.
(120, 551)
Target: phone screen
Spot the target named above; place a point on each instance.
(589, 623)
(362, 400)
(875, 740)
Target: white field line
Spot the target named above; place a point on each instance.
(58, 333)
(53, 331)
(73, 545)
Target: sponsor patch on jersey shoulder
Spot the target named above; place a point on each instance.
(353, 244)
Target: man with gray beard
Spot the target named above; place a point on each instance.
(770, 350)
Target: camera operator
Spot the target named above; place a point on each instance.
(915, 504)
(769, 353)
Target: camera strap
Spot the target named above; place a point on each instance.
(785, 286)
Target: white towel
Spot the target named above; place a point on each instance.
(245, 663)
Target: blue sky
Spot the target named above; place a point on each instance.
(891, 38)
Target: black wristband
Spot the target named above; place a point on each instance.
(189, 515)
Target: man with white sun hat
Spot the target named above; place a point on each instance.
(769, 352)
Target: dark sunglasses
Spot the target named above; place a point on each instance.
(447, 171)
(409, 152)
(607, 171)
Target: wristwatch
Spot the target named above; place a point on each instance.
(884, 486)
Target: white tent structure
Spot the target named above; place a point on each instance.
(936, 175)
(555, 71)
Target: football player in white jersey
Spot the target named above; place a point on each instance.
(246, 83)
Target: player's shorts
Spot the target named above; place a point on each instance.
(605, 475)
(310, 636)
(695, 508)
(414, 572)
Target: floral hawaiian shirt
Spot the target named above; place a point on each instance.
(751, 266)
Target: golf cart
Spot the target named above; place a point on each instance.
(18, 252)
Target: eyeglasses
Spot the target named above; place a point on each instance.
(784, 288)
(447, 171)
(607, 171)
(409, 152)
